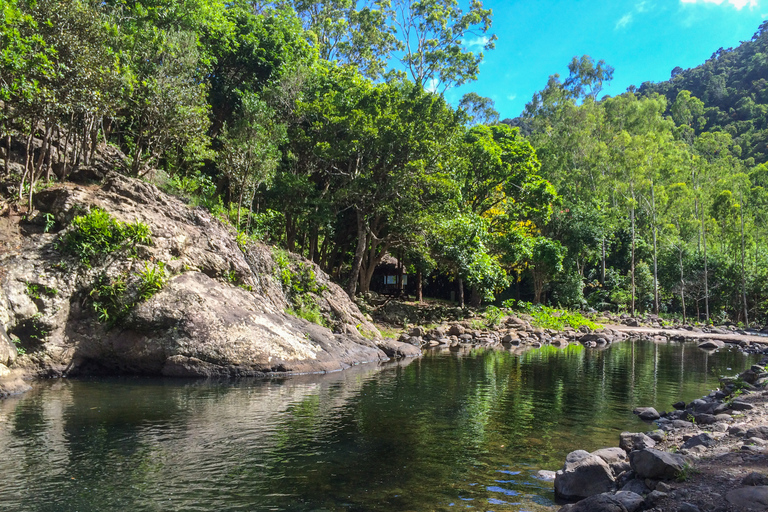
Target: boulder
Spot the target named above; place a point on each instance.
(622, 501)
(222, 312)
(755, 478)
(711, 344)
(749, 498)
(704, 439)
(738, 405)
(615, 457)
(630, 441)
(760, 432)
(545, 475)
(636, 486)
(417, 331)
(647, 413)
(455, 330)
(655, 464)
(583, 475)
(397, 350)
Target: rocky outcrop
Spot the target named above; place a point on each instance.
(223, 310)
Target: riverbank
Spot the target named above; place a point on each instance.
(706, 455)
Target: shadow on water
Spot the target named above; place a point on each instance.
(450, 430)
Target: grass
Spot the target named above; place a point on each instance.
(686, 473)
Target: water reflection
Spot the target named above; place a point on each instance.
(451, 430)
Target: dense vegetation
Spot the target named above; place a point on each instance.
(320, 127)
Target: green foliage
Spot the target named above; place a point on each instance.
(686, 472)
(98, 234)
(36, 291)
(152, 279)
(19, 349)
(552, 318)
(113, 298)
(300, 286)
(109, 298)
(493, 316)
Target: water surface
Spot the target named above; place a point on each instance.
(452, 430)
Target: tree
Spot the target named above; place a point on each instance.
(479, 109)
(249, 153)
(433, 34)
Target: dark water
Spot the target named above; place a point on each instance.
(446, 432)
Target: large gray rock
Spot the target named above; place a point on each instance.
(615, 457)
(622, 501)
(630, 441)
(223, 312)
(711, 344)
(647, 413)
(703, 439)
(655, 464)
(760, 432)
(199, 327)
(749, 498)
(583, 475)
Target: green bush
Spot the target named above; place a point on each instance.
(299, 284)
(551, 318)
(113, 298)
(152, 279)
(97, 234)
(493, 316)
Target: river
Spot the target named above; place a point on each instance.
(452, 430)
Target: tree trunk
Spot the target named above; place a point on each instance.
(26, 160)
(682, 283)
(706, 270)
(359, 251)
(7, 151)
(655, 256)
(239, 206)
(313, 239)
(419, 286)
(461, 293)
(290, 232)
(632, 263)
(602, 265)
(475, 299)
(743, 268)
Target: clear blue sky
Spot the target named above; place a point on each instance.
(643, 40)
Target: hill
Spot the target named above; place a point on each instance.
(733, 85)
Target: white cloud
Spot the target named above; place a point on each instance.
(478, 41)
(738, 4)
(432, 85)
(641, 6)
(512, 97)
(624, 21)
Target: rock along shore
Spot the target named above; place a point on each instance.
(224, 311)
(707, 455)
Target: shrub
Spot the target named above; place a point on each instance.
(97, 234)
(551, 318)
(299, 284)
(113, 298)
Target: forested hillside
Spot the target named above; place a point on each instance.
(321, 127)
(733, 86)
